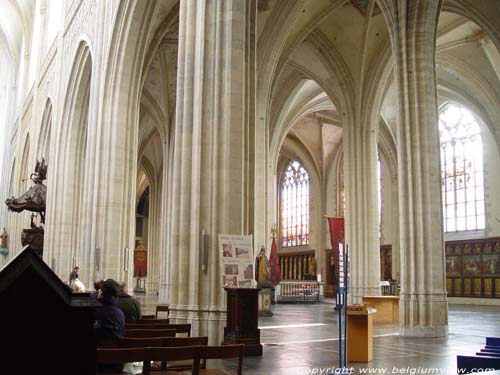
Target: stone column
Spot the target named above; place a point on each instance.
(210, 168)
(360, 184)
(423, 304)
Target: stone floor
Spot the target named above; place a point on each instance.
(302, 340)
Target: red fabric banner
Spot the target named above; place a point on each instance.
(337, 229)
(274, 264)
(140, 261)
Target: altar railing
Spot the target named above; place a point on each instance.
(299, 291)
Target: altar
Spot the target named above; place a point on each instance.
(387, 308)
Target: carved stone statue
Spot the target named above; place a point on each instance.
(33, 200)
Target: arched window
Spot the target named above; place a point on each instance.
(461, 169)
(294, 206)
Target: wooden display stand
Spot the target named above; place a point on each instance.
(387, 307)
(360, 333)
(242, 319)
(45, 328)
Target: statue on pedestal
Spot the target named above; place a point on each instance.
(262, 268)
(33, 200)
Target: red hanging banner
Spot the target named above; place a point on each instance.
(140, 261)
(274, 263)
(337, 229)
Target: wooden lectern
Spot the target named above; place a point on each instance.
(242, 319)
(45, 328)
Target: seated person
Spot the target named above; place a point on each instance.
(129, 305)
(109, 319)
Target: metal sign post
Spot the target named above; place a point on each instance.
(343, 267)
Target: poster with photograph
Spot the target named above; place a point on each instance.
(237, 261)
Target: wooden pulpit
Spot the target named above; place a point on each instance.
(242, 319)
(44, 327)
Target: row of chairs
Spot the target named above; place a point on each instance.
(486, 358)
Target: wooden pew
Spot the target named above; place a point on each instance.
(221, 352)
(191, 353)
(113, 356)
(118, 356)
(148, 316)
(150, 333)
(133, 342)
(150, 321)
(184, 328)
(145, 326)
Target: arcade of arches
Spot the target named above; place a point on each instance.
(163, 118)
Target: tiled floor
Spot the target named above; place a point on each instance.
(302, 340)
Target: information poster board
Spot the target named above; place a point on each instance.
(237, 261)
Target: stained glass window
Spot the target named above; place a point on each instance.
(294, 206)
(461, 170)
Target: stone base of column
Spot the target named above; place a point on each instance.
(205, 321)
(357, 293)
(416, 331)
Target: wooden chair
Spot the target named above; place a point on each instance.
(220, 352)
(162, 308)
(150, 333)
(106, 357)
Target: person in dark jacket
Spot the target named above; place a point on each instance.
(109, 319)
(129, 305)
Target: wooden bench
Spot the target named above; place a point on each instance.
(184, 328)
(149, 321)
(221, 352)
(150, 333)
(190, 353)
(132, 342)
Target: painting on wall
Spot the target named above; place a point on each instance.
(453, 265)
(471, 265)
(491, 264)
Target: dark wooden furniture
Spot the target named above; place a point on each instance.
(167, 354)
(242, 320)
(221, 352)
(182, 328)
(150, 333)
(158, 342)
(150, 321)
(162, 308)
(37, 308)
